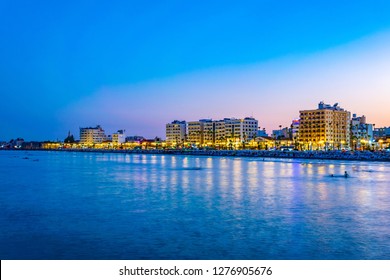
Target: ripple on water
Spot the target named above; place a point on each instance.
(118, 206)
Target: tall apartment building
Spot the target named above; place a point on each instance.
(327, 127)
(381, 132)
(200, 132)
(219, 132)
(249, 128)
(233, 129)
(175, 132)
(91, 135)
(238, 130)
(209, 132)
(195, 132)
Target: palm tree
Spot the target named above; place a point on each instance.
(245, 137)
(280, 133)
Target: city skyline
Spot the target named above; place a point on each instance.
(138, 66)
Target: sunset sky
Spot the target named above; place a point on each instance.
(137, 65)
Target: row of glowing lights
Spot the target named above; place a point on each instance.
(163, 144)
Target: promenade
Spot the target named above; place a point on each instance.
(325, 155)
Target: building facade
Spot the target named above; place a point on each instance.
(249, 128)
(207, 132)
(240, 130)
(92, 135)
(119, 137)
(295, 131)
(219, 132)
(381, 132)
(262, 133)
(195, 132)
(325, 128)
(362, 133)
(175, 132)
(201, 132)
(233, 130)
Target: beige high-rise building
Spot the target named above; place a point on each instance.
(201, 132)
(233, 129)
(325, 128)
(207, 132)
(239, 130)
(220, 132)
(195, 132)
(249, 128)
(92, 135)
(176, 132)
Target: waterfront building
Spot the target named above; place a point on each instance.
(119, 137)
(282, 137)
(49, 145)
(176, 132)
(92, 135)
(240, 130)
(295, 131)
(219, 132)
(327, 127)
(195, 132)
(249, 128)
(207, 132)
(383, 143)
(262, 133)
(281, 133)
(200, 132)
(133, 142)
(362, 133)
(262, 142)
(134, 138)
(381, 132)
(233, 130)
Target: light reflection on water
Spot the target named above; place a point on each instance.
(120, 206)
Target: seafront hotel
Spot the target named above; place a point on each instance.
(326, 128)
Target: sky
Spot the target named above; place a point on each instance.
(137, 65)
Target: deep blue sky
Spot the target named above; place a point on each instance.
(55, 54)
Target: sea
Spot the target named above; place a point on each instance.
(117, 206)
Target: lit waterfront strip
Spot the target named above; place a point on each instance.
(325, 155)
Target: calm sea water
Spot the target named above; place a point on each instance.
(65, 205)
